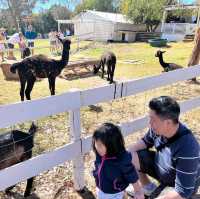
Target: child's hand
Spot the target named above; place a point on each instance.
(139, 195)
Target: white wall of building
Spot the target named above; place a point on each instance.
(88, 26)
(94, 30)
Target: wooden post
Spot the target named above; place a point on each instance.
(78, 163)
(195, 56)
(78, 43)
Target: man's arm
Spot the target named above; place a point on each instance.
(139, 145)
(146, 142)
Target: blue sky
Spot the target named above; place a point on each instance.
(188, 1)
(49, 3)
(40, 6)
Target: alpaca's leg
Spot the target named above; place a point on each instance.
(50, 84)
(29, 87)
(52, 81)
(29, 184)
(23, 84)
(53, 86)
(109, 72)
(112, 73)
(103, 67)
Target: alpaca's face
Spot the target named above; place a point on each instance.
(159, 53)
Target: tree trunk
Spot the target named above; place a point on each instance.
(155, 27)
(195, 56)
(13, 14)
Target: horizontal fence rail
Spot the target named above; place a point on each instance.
(72, 102)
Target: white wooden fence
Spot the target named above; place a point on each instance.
(72, 102)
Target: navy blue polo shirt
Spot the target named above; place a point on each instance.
(177, 161)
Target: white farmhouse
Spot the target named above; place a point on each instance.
(104, 26)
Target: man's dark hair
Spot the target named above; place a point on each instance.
(166, 108)
(110, 135)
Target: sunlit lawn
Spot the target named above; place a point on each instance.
(146, 64)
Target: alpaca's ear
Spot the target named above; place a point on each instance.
(156, 54)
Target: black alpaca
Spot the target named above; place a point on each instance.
(42, 67)
(108, 59)
(166, 66)
(16, 146)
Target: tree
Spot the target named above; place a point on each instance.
(69, 3)
(148, 12)
(103, 5)
(60, 12)
(172, 2)
(44, 22)
(17, 9)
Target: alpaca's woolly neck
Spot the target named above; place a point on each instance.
(65, 57)
(162, 63)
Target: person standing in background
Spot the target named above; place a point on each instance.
(2, 43)
(31, 36)
(15, 38)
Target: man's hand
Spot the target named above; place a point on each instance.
(170, 195)
(139, 195)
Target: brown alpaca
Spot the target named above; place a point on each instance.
(108, 59)
(42, 67)
(166, 66)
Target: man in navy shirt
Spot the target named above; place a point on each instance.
(175, 158)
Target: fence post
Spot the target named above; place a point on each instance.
(78, 44)
(78, 163)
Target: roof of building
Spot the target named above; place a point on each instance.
(107, 16)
